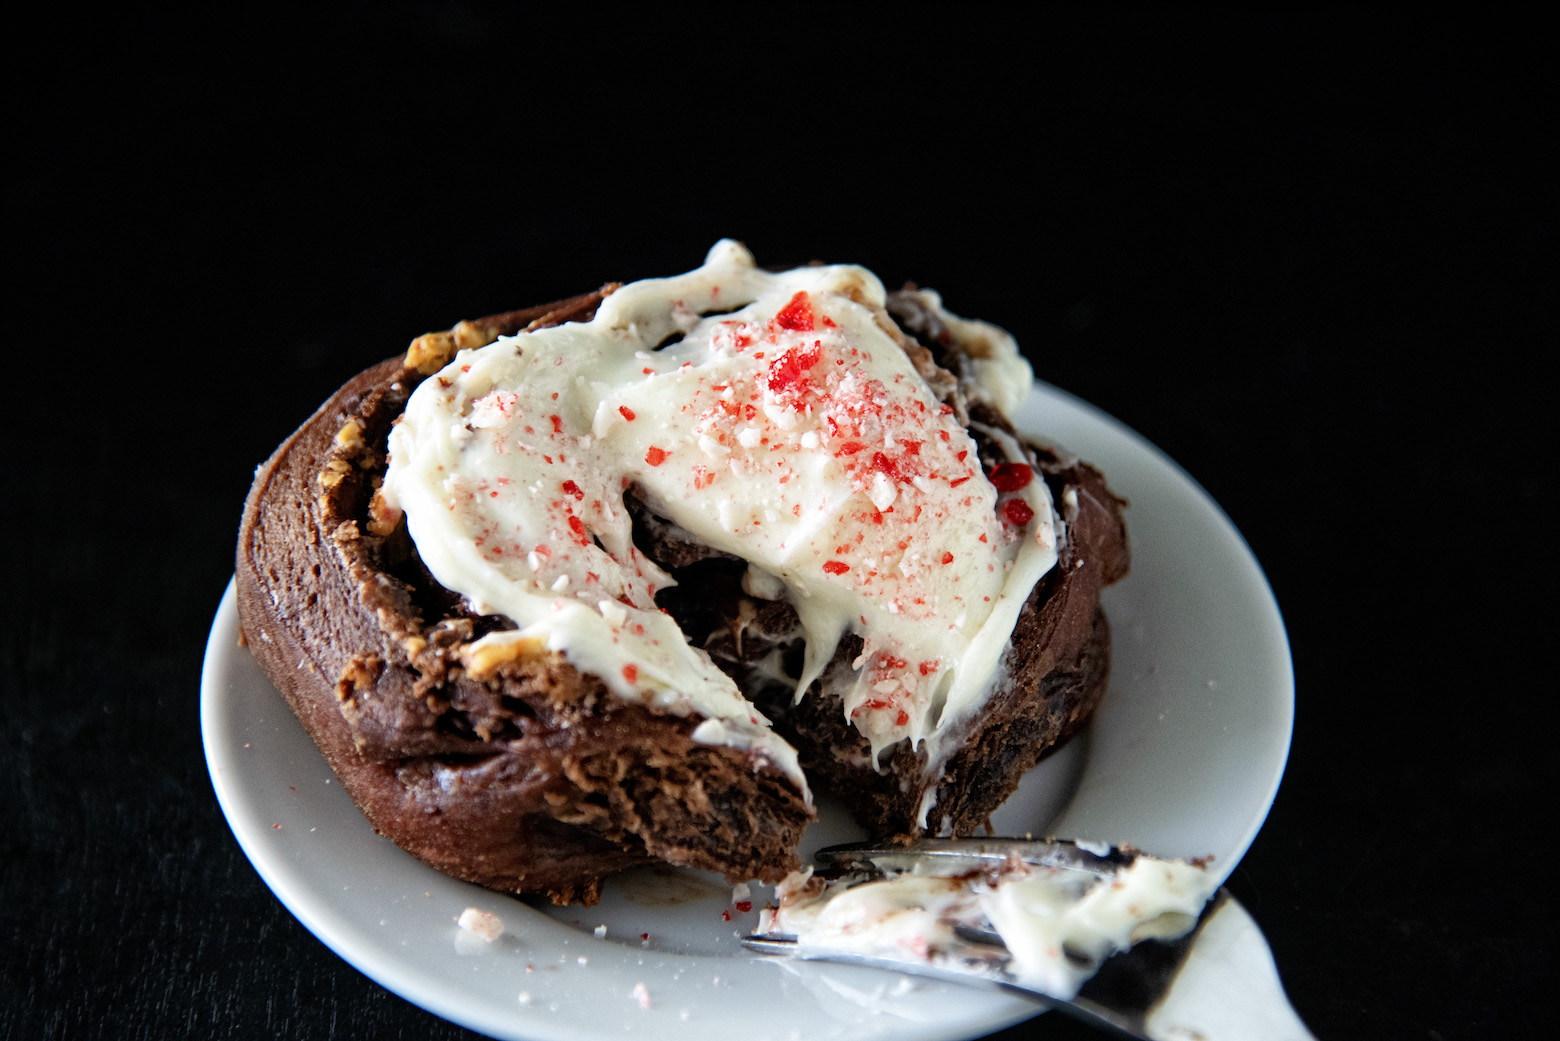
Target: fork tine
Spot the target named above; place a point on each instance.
(872, 857)
(973, 964)
(979, 937)
(770, 943)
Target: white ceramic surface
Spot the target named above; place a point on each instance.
(1183, 759)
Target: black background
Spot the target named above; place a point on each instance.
(1312, 257)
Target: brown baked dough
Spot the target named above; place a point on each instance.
(526, 775)
(1052, 678)
(1056, 670)
(528, 778)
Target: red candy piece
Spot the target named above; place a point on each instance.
(797, 315)
(1010, 477)
(789, 371)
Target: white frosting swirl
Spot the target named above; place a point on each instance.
(781, 424)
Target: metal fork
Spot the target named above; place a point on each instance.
(1217, 982)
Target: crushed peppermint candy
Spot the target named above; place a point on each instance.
(773, 417)
(483, 923)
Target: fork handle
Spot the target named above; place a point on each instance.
(1228, 988)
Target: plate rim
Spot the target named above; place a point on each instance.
(329, 925)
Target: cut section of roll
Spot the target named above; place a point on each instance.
(537, 588)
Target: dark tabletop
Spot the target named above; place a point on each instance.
(1311, 258)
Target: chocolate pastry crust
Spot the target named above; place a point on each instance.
(522, 773)
(1056, 671)
(1050, 681)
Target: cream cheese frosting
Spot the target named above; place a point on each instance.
(1058, 924)
(774, 417)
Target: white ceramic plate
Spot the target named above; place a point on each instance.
(1183, 759)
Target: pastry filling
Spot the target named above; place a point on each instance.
(773, 417)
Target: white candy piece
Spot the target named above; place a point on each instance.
(483, 923)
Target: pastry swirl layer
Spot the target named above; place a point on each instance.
(500, 758)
